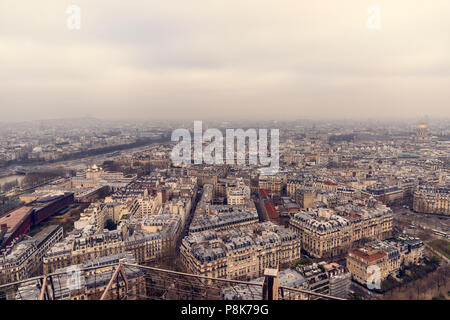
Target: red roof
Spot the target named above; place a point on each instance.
(370, 256)
(14, 218)
(271, 211)
(263, 193)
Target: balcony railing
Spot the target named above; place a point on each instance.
(124, 281)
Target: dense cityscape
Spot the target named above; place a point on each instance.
(103, 198)
(212, 159)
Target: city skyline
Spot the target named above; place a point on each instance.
(412, 120)
(224, 154)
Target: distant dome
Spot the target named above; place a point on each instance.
(422, 125)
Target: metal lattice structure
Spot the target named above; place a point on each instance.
(124, 281)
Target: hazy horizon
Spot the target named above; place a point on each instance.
(230, 60)
(372, 120)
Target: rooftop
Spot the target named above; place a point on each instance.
(13, 218)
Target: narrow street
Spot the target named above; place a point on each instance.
(185, 231)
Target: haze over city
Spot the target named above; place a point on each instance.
(224, 59)
(229, 152)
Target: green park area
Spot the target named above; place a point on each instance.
(410, 273)
(442, 246)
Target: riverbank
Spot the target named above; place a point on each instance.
(10, 178)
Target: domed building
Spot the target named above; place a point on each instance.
(94, 172)
(422, 132)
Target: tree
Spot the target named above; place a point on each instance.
(419, 287)
(35, 178)
(7, 186)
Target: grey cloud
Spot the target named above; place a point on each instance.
(226, 59)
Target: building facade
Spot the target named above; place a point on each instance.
(239, 253)
(327, 232)
(432, 199)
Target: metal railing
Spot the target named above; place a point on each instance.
(122, 281)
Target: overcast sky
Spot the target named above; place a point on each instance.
(230, 59)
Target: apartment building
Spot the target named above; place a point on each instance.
(358, 263)
(330, 232)
(388, 194)
(23, 259)
(389, 255)
(432, 199)
(221, 217)
(238, 194)
(273, 184)
(241, 252)
(340, 279)
(147, 239)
